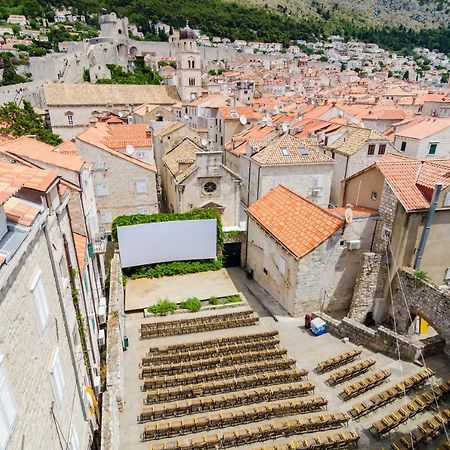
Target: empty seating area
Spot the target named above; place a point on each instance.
(445, 445)
(389, 395)
(426, 431)
(364, 385)
(350, 372)
(198, 324)
(337, 361)
(414, 407)
(275, 429)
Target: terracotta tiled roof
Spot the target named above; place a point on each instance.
(80, 249)
(30, 148)
(287, 149)
(20, 212)
(236, 112)
(133, 134)
(15, 176)
(354, 138)
(297, 223)
(412, 180)
(423, 127)
(181, 159)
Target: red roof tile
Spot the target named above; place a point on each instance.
(297, 223)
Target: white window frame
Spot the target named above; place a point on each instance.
(102, 216)
(57, 377)
(70, 119)
(40, 301)
(140, 187)
(446, 201)
(8, 411)
(101, 189)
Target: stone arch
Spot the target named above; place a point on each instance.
(134, 51)
(423, 299)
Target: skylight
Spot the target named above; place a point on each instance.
(303, 151)
(233, 113)
(285, 151)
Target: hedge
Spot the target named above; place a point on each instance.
(174, 267)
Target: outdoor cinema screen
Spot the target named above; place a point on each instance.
(181, 240)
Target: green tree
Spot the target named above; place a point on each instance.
(18, 122)
(10, 76)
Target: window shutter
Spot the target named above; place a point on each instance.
(58, 379)
(40, 302)
(8, 413)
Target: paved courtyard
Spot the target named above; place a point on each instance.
(301, 345)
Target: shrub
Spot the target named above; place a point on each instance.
(233, 299)
(214, 301)
(193, 304)
(421, 275)
(163, 307)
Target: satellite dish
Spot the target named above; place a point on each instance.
(129, 149)
(349, 214)
(120, 114)
(243, 120)
(284, 127)
(186, 117)
(204, 142)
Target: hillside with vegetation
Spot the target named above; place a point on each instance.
(266, 22)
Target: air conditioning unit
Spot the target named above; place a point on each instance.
(315, 192)
(101, 338)
(102, 315)
(97, 385)
(354, 244)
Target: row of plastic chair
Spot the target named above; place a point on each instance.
(414, 407)
(274, 429)
(426, 431)
(196, 405)
(445, 445)
(149, 333)
(341, 440)
(364, 385)
(217, 342)
(350, 372)
(210, 363)
(202, 319)
(225, 349)
(220, 373)
(337, 361)
(390, 394)
(292, 378)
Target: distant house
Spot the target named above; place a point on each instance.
(355, 149)
(423, 137)
(196, 179)
(124, 184)
(304, 255)
(17, 19)
(298, 164)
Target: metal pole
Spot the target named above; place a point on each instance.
(428, 223)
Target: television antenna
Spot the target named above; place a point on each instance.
(129, 149)
(243, 120)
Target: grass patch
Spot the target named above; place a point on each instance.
(225, 300)
(163, 307)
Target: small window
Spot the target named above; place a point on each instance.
(106, 217)
(102, 189)
(403, 146)
(382, 149)
(141, 187)
(285, 151)
(373, 195)
(446, 199)
(303, 151)
(57, 376)
(40, 302)
(371, 150)
(8, 413)
(432, 149)
(70, 120)
(99, 165)
(282, 265)
(209, 187)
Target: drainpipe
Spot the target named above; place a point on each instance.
(66, 326)
(428, 223)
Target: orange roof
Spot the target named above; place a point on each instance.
(413, 180)
(31, 148)
(15, 176)
(422, 127)
(80, 249)
(19, 212)
(236, 112)
(297, 223)
(133, 134)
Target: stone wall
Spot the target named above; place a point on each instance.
(387, 212)
(421, 299)
(113, 395)
(380, 339)
(369, 286)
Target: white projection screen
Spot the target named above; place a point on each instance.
(180, 240)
